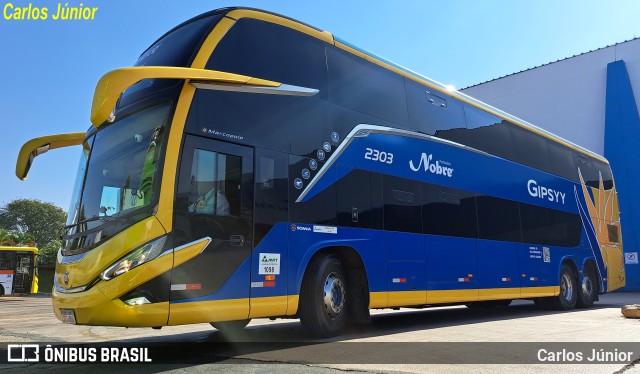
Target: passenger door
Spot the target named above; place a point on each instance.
(214, 201)
(23, 277)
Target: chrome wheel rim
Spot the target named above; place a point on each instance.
(334, 295)
(587, 286)
(566, 287)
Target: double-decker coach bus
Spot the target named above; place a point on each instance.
(251, 166)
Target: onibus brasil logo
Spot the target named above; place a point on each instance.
(437, 168)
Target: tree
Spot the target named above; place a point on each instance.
(5, 238)
(48, 253)
(32, 220)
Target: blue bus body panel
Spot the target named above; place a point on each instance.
(471, 170)
(306, 240)
(398, 261)
(459, 255)
(406, 262)
(497, 264)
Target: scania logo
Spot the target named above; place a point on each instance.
(66, 278)
(293, 227)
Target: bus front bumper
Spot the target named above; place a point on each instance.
(93, 307)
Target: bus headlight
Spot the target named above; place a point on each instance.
(136, 258)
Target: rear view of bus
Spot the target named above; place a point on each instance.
(253, 166)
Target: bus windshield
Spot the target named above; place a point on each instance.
(120, 174)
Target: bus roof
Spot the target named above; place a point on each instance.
(241, 12)
(20, 249)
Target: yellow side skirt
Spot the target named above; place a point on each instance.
(237, 309)
(410, 298)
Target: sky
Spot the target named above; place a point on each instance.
(48, 69)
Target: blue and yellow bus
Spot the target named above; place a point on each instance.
(252, 166)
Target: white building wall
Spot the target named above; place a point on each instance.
(568, 98)
(565, 97)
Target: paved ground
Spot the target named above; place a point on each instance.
(396, 341)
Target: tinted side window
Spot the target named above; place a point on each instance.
(270, 191)
(401, 204)
(565, 228)
(260, 49)
(7, 260)
(285, 123)
(605, 171)
(354, 201)
(269, 51)
(488, 133)
(589, 172)
(529, 148)
(365, 87)
(215, 181)
(535, 224)
(498, 219)
(321, 208)
(449, 212)
(434, 113)
(561, 161)
(178, 47)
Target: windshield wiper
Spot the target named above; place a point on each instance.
(94, 218)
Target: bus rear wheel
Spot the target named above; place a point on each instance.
(323, 308)
(568, 296)
(588, 288)
(230, 326)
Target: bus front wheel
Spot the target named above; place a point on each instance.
(323, 308)
(568, 296)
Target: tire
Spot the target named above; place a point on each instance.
(588, 289)
(323, 308)
(230, 326)
(568, 296)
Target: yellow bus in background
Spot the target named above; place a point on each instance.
(18, 270)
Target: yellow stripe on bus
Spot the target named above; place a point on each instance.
(208, 311)
(409, 298)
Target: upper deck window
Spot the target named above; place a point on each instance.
(178, 47)
(269, 51)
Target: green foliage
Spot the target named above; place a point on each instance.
(32, 221)
(15, 238)
(48, 253)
